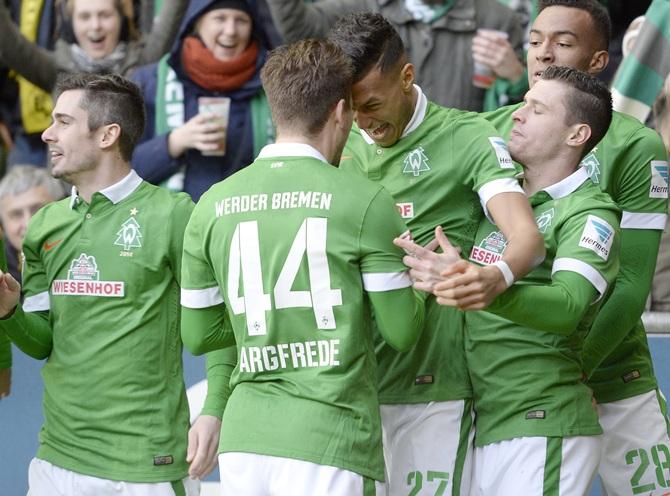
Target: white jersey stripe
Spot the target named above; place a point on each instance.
(631, 220)
(201, 298)
(386, 281)
(581, 268)
(37, 303)
(495, 187)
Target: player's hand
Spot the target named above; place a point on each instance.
(10, 293)
(5, 382)
(202, 132)
(496, 52)
(473, 288)
(203, 441)
(426, 266)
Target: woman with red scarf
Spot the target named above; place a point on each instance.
(215, 62)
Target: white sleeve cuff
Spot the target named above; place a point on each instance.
(495, 187)
(631, 220)
(37, 303)
(385, 281)
(583, 269)
(201, 298)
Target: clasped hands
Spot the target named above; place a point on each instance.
(454, 282)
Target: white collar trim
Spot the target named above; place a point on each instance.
(417, 117)
(569, 184)
(291, 150)
(116, 192)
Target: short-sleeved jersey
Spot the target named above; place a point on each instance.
(527, 382)
(107, 272)
(446, 166)
(630, 165)
(290, 244)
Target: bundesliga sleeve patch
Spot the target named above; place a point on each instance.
(500, 147)
(597, 236)
(659, 179)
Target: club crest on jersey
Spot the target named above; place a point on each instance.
(659, 179)
(416, 162)
(544, 220)
(406, 210)
(500, 147)
(490, 250)
(83, 279)
(129, 235)
(597, 236)
(592, 166)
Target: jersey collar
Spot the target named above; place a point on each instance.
(568, 185)
(291, 150)
(417, 117)
(116, 192)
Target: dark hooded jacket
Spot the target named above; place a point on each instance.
(151, 159)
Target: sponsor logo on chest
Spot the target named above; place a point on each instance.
(416, 162)
(500, 147)
(406, 210)
(83, 279)
(659, 179)
(597, 236)
(490, 250)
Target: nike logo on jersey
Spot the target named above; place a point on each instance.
(48, 246)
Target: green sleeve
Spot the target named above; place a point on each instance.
(178, 221)
(220, 366)
(5, 352)
(399, 316)
(556, 308)
(639, 248)
(206, 329)
(30, 332)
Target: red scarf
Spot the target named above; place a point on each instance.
(213, 74)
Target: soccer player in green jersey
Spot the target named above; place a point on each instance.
(101, 283)
(629, 164)
(537, 429)
(443, 167)
(289, 259)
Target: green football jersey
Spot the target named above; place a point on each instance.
(289, 244)
(630, 165)
(107, 274)
(446, 166)
(527, 382)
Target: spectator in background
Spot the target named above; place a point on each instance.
(660, 286)
(97, 36)
(23, 192)
(219, 53)
(438, 35)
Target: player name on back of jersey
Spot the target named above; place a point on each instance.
(275, 201)
(296, 355)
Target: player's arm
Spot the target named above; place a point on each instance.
(27, 324)
(642, 223)
(581, 275)
(639, 250)
(204, 329)
(297, 19)
(397, 308)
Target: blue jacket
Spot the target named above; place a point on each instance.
(151, 159)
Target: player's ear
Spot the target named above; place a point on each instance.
(407, 77)
(578, 134)
(109, 135)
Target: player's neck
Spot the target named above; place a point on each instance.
(537, 178)
(109, 171)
